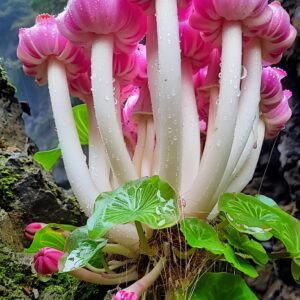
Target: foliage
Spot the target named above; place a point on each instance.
(147, 200)
(49, 158)
(221, 286)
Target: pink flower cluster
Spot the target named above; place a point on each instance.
(200, 33)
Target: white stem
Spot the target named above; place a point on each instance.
(252, 141)
(154, 168)
(169, 85)
(125, 235)
(152, 69)
(251, 144)
(98, 163)
(191, 131)
(140, 286)
(244, 176)
(217, 151)
(74, 159)
(247, 112)
(88, 276)
(102, 87)
(140, 145)
(148, 153)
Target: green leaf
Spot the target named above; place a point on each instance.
(79, 250)
(47, 158)
(147, 200)
(239, 263)
(221, 286)
(199, 234)
(249, 215)
(295, 268)
(247, 246)
(81, 118)
(263, 236)
(52, 235)
(266, 200)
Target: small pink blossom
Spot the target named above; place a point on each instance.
(125, 295)
(46, 260)
(32, 228)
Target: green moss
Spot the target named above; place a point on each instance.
(5, 86)
(7, 179)
(16, 278)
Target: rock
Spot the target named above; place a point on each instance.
(28, 194)
(10, 113)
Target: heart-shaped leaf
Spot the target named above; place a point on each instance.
(220, 286)
(199, 234)
(248, 214)
(147, 200)
(52, 235)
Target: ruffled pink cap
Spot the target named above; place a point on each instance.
(277, 35)
(193, 47)
(125, 295)
(209, 16)
(84, 21)
(148, 6)
(46, 260)
(276, 118)
(271, 89)
(42, 40)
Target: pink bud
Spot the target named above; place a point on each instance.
(32, 228)
(46, 260)
(125, 295)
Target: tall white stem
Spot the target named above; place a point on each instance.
(140, 145)
(148, 154)
(248, 106)
(169, 85)
(191, 130)
(217, 150)
(74, 159)
(98, 162)
(152, 69)
(246, 173)
(102, 87)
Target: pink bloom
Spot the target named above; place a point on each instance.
(271, 88)
(32, 228)
(125, 295)
(46, 260)
(277, 35)
(209, 16)
(80, 86)
(276, 118)
(84, 21)
(42, 40)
